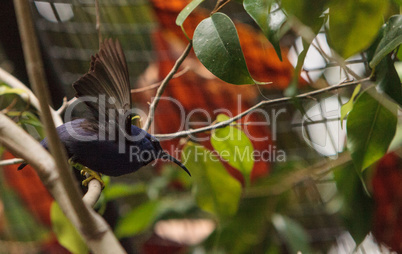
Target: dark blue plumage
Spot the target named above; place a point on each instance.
(104, 142)
(103, 156)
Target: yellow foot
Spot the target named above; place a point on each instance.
(91, 174)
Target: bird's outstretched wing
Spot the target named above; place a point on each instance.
(105, 88)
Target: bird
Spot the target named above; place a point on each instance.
(106, 142)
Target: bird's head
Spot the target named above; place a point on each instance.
(151, 145)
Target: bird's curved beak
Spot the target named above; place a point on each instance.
(173, 159)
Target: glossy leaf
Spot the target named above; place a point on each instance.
(292, 90)
(371, 126)
(307, 11)
(392, 38)
(137, 220)
(65, 232)
(215, 190)
(353, 25)
(269, 22)
(387, 79)
(347, 107)
(234, 147)
(187, 11)
(217, 46)
(357, 209)
(292, 233)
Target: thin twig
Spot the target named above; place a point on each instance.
(308, 35)
(335, 64)
(98, 22)
(161, 89)
(91, 196)
(65, 105)
(29, 97)
(258, 105)
(315, 172)
(11, 161)
(219, 5)
(94, 230)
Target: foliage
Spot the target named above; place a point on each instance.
(66, 233)
(217, 45)
(253, 214)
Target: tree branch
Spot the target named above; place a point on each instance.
(90, 225)
(162, 87)
(11, 162)
(258, 105)
(92, 195)
(97, 235)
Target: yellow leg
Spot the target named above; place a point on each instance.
(91, 174)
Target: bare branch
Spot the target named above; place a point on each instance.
(94, 191)
(297, 176)
(11, 162)
(307, 34)
(98, 236)
(65, 104)
(260, 104)
(91, 196)
(161, 89)
(88, 223)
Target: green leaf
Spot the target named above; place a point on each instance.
(187, 11)
(269, 22)
(371, 126)
(120, 190)
(356, 207)
(138, 220)
(215, 190)
(387, 79)
(392, 38)
(4, 89)
(347, 107)
(398, 2)
(21, 224)
(292, 91)
(353, 24)
(65, 232)
(307, 11)
(234, 147)
(292, 233)
(217, 46)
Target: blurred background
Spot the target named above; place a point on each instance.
(305, 197)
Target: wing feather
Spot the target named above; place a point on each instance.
(108, 76)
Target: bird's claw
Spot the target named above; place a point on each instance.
(91, 175)
(84, 170)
